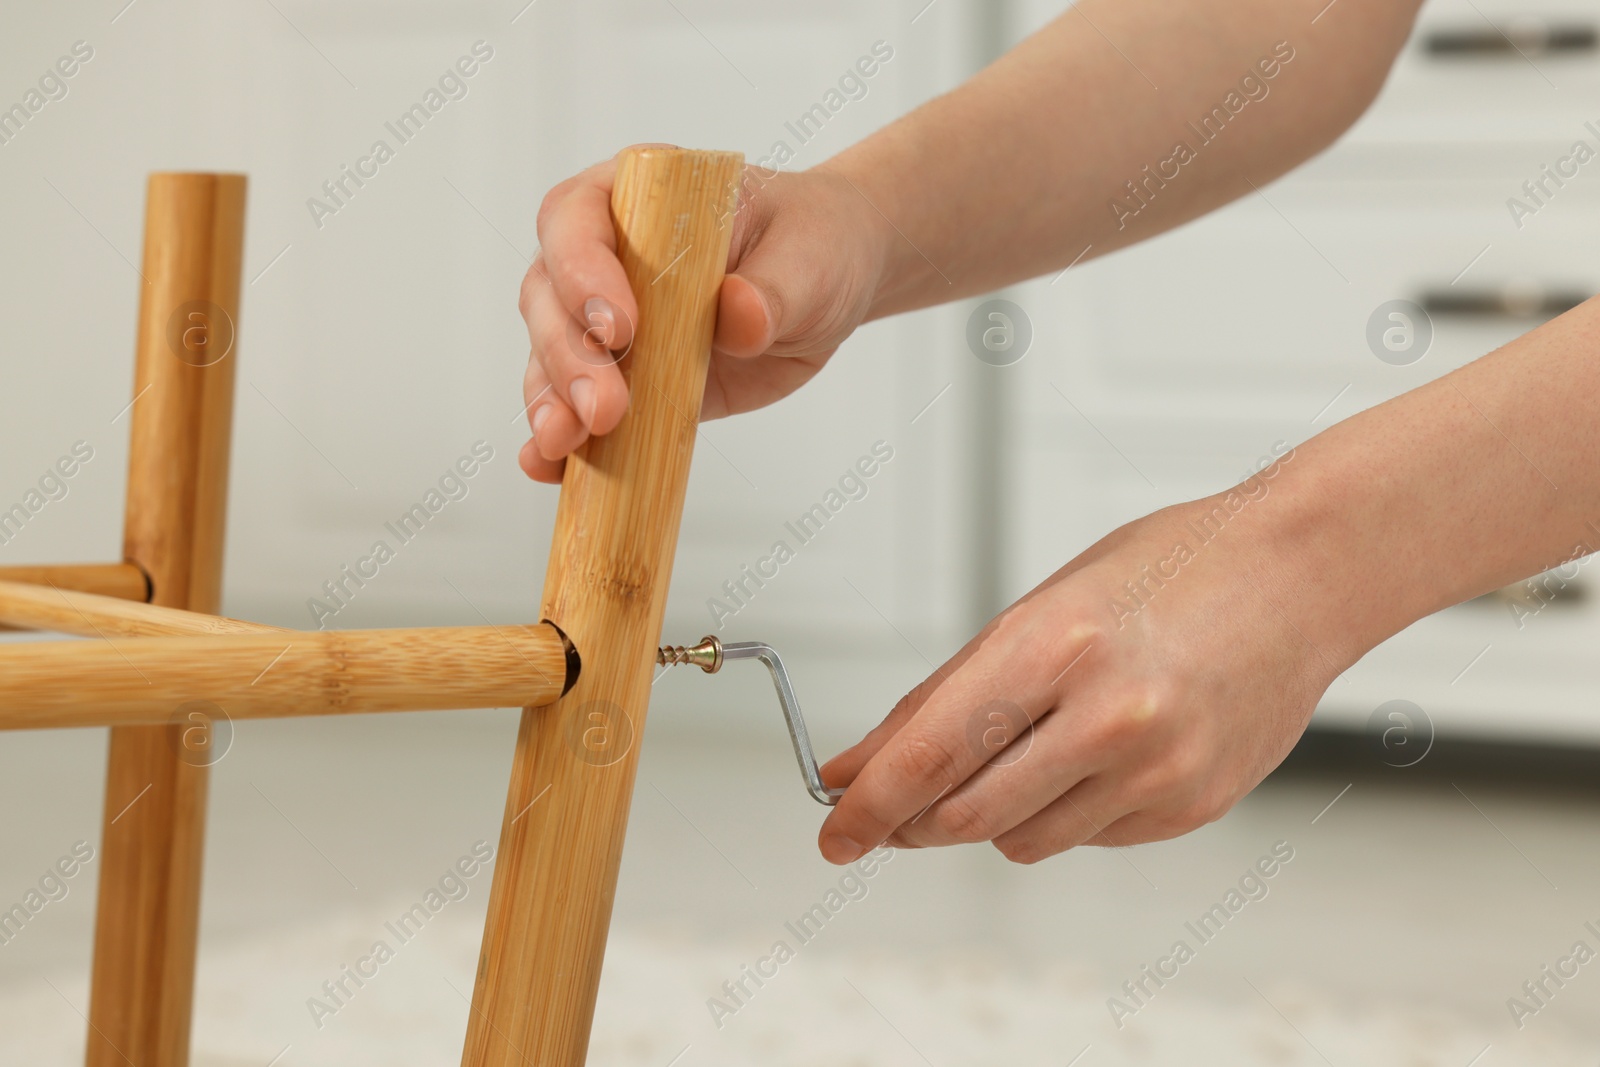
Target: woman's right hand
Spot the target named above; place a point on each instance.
(806, 260)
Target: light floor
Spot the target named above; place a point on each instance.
(1405, 920)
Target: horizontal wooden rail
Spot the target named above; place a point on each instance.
(121, 580)
(59, 610)
(124, 581)
(146, 680)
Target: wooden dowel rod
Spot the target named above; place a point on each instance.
(121, 580)
(141, 990)
(149, 680)
(606, 586)
(40, 607)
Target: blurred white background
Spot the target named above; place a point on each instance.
(379, 346)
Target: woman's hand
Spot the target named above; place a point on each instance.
(805, 263)
(1164, 673)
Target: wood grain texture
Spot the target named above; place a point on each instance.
(606, 585)
(121, 580)
(142, 987)
(277, 674)
(64, 611)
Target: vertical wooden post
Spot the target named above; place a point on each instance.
(606, 587)
(142, 989)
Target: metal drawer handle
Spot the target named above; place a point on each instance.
(1513, 39)
(1547, 589)
(1514, 301)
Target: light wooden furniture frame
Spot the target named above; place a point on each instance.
(582, 673)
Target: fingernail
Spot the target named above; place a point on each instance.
(837, 848)
(583, 400)
(540, 413)
(600, 320)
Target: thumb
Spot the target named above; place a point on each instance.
(749, 313)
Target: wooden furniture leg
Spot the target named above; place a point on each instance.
(142, 987)
(606, 586)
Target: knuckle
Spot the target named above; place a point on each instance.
(1136, 716)
(527, 293)
(929, 762)
(1181, 774)
(551, 204)
(1023, 850)
(1212, 807)
(1013, 626)
(957, 818)
(550, 342)
(1202, 810)
(870, 823)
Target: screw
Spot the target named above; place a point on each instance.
(707, 655)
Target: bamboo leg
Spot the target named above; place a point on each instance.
(142, 989)
(606, 587)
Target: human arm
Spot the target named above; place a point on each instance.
(1008, 176)
(1155, 713)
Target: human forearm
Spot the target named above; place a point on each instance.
(1014, 174)
(1144, 687)
(1484, 476)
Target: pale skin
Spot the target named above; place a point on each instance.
(1148, 725)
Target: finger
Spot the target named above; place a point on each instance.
(1081, 815)
(538, 395)
(936, 750)
(580, 252)
(783, 285)
(734, 386)
(842, 769)
(747, 323)
(1034, 765)
(537, 467)
(582, 372)
(1140, 828)
(561, 434)
(847, 764)
(538, 402)
(556, 430)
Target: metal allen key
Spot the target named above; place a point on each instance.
(710, 654)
